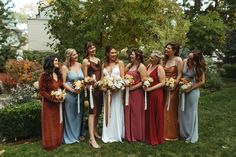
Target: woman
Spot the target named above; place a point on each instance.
(50, 80)
(193, 71)
(155, 108)
(134, 110)
(92, 67)
(173, 68)
(74, 130)
(113, 117)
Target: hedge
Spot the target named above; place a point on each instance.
(20, 121)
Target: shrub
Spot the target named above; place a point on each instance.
(24, 71)
(7, 81)
(213, 78)
(22, 93)
(36, 56)
(230, 70)
(21, 121)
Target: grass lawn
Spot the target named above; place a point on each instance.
(217, 136)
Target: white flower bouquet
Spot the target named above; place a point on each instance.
(59, 95)
(146, 84)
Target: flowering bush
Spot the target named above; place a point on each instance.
(23, 71)
(22, 93)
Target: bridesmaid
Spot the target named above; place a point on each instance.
(50, 80)
(194, 71)
(92, 66)
(173, 68)
(155, 108)
(134, 111)
(74, 130)
(113, 129)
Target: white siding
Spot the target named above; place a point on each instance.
(37, 36)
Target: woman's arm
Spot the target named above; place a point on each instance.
(122, 69)
(85, 66)
(197, 84)
(179, 69)
(43, 89)
(162, 76)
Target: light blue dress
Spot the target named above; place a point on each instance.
(73, 117)
(188, 117)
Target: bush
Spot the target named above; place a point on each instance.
(7, 81)
(213, 78)
(24, 71)
(230, 70)
(36, 56)
(21, 121)
(22, 93)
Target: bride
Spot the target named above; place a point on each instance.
(113, 118)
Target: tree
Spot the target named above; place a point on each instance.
(10, 37)
(207, 33)
(125, 23)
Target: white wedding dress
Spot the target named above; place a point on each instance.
(114, 131)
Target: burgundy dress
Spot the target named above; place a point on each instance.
(50, 116)
(134, 112)
(154, 115)
(171, 124)
(95, 69)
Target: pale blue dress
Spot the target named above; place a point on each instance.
(73, 120)
(188, 110)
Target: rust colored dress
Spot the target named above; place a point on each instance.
(154, 114)
(96, 69)
(134, 112)
(171, 125)
(50, 116)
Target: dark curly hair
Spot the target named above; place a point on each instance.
(138, 54)
(48, 67)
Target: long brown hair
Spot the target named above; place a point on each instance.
(198, 63)
(139, 56)
(107, 52)
(86, 47)
(175, 47)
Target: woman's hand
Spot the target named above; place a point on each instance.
(188, 90)
(76, 91)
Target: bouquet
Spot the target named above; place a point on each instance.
(185, 84)
(111, 83)
(90, 80)
(108, 84)
(79, 86)
(59, 95)
(146, 84)
(128, 81)
(170, 83)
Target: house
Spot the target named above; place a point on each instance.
(37, 34)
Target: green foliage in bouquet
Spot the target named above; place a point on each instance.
(20, 121)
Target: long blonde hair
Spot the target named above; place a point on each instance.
(68, 54)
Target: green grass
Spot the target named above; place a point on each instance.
(217, 136)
